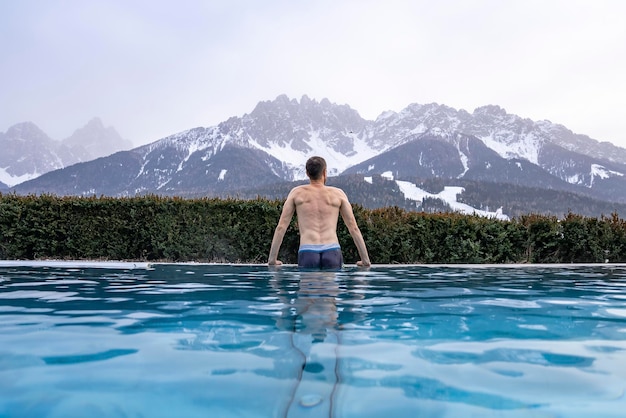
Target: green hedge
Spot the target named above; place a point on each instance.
(155, 228)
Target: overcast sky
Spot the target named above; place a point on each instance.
(151, 68)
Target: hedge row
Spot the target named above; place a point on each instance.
(155, 228)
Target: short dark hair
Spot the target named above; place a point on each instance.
(315, 167)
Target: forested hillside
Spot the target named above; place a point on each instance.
(514, 200)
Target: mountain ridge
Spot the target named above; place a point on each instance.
(28, 152)
(271, 144)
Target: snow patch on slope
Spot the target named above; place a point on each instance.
(525, 147)
(600, 171)
(336, 161)
(448, 195)
(464, 160)
(11, 180)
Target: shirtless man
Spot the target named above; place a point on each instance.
(318, 207)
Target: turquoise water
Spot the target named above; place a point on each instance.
(101, 340)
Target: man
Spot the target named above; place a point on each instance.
(318, 207)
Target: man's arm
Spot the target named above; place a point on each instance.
(283, 223)
(348, 218)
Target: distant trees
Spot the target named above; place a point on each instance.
(515, 200)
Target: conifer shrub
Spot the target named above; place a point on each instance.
(156, 228)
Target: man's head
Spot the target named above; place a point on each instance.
(315, 168)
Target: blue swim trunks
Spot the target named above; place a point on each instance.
(320, 256)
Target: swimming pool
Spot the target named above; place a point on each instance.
(131, 340)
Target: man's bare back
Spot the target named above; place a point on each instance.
(318, 208)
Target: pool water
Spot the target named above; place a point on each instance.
(190, 340)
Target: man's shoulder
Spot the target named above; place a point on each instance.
(299, 188)
(336, 190)
(307, 188)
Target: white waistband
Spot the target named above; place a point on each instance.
(319, 247)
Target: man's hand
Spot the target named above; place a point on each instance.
(363, 264)
(274, 263)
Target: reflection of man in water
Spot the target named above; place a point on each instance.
(318, 207)
(312, 308)
(316, 306)
(312, 315)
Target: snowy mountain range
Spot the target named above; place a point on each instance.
(270, 145)
(27, 152)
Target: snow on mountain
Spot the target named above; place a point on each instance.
(448, 195)
(511, 136)
(526, 147)
(11, 180)
(598, 171)
(302, 129)
(337, 162)
(293, 131)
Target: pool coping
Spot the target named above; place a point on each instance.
(148, 265)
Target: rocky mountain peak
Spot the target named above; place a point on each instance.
(490, 110)
(26, 132)
(27, 152)
(94, 140)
